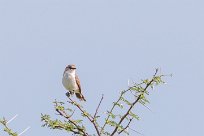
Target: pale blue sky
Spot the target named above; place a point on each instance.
(110, 41)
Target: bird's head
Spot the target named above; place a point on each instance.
(70, 69)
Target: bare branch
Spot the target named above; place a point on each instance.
(64, 114)
(98, 107)
(126, 126)
(90, 118)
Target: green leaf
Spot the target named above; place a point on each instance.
(118, 104)
(146, 81)
(112, 115)
(137, 88)
(111, 123)
(85, 114)
(134, 115)
(126, 101)
(61, 108)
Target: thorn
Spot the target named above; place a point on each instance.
(128, 82)
(11, 119)
(24, 130)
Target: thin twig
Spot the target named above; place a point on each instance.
(77, 105)
(142, 104)
(126, 126)
(72, 114)
(71, 121)
(62, 127)
(90, 118)
(98, 107)
(136, 131)
(95, 115)
(148, 108)
(64, 114)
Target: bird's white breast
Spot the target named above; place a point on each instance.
(69, 82)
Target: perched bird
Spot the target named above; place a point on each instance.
(71, 82)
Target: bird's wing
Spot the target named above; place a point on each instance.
(78, 83)
(79, 95)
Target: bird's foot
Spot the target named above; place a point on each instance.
(68, 94)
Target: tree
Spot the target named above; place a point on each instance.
(118, 118)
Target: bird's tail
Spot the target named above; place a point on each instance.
(80, 96)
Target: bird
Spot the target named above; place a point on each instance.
(71, 82)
